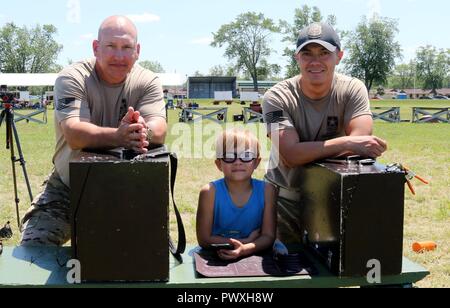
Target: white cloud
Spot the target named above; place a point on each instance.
(73, 15)
(87, 36)
(374, 7)
(4, 19)
(81, 40)
(77, 43)
(409, 52)
(202, 40)
(144, 18)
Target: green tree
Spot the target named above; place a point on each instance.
(221, 70)
(372, 50)
(232, 71)
(447, 82)
(55, 68)
(403, 76)
(268, 71)
(154, 66)
(247, 43)
(39, 90)
(433, 67)
(302, 18)
(217, 70)
(24, 50)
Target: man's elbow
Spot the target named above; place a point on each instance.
(291, 161)
(71, 133)
(74, 144)
(159, 137)
(159, 130)
(289, 164)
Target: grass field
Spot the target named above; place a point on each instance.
(422, 147)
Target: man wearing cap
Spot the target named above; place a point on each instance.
(315, 115)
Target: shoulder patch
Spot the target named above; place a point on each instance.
(274, 116)
(64, 103)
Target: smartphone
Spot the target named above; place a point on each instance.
(226, 246)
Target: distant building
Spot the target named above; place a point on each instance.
(175, 92)
(418, 93)
(247, 86)
(204, 87)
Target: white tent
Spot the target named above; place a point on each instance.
(172, 79)
(27, 80)
(32, 80)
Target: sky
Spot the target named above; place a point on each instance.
(177, 33)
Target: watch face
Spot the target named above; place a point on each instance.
(149, 135)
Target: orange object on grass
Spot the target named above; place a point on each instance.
(424, 246)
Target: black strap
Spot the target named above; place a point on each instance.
(176, 251)
(181, 234)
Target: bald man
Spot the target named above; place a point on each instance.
(101, 103)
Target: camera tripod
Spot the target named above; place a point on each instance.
(11, 135)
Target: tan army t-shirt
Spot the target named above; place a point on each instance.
(286, 107)
(80, 93)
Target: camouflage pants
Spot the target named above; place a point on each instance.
(289, 229)
(47, 221)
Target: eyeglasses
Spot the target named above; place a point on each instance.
(245, 157)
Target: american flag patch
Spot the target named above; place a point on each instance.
(64, 103)
(274, 116)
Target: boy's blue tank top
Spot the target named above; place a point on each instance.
(231, 221)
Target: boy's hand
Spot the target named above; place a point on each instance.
(234, 254)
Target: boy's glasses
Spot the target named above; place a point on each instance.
(245, 157)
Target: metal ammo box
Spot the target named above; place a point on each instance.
(120, 217)
(352, 213)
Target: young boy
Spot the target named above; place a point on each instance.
(237, 209)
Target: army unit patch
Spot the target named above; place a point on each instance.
(274, 117)
(67, 102)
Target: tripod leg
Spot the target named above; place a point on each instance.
(22, 160)
(13, 165)
(10, 130)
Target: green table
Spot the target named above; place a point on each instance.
(46, 266)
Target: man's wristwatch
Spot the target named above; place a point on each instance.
(149, 135)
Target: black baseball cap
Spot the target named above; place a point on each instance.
(320, 33)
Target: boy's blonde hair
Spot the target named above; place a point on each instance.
(236, 141)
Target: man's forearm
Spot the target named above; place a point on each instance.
(84, 135)
(303, 153)
(158, 127)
